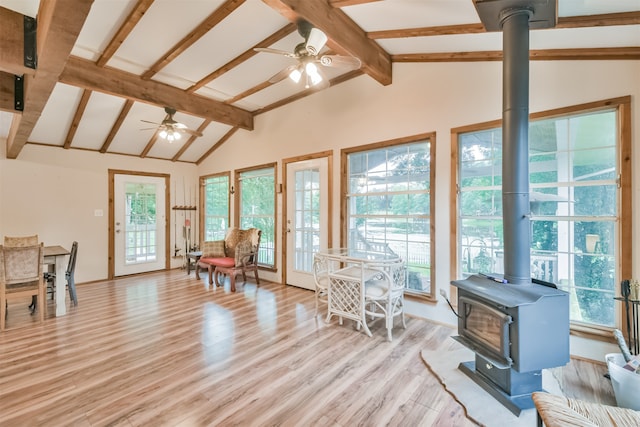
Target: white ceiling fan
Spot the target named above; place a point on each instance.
(308, 56)
(170, 129)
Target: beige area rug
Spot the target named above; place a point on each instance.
(481, 407)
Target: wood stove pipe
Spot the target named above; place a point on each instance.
(515, 145)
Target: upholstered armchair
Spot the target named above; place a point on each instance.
(237, 253)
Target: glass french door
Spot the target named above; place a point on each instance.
(307, 218)
(139, 224)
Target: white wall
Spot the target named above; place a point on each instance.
(424, 98)
(55, 192)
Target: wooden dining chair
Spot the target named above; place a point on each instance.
(18, 242)
(69, 276)
(21, 276)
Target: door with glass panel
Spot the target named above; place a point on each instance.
(307, 218)
(139, 224)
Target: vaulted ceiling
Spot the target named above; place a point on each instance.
(105, 68)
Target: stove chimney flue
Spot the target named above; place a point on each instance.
(515, 18)
(515, 145)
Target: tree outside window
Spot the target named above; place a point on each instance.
(574, 196)
(257, 200)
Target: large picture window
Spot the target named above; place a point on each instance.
(388, 203)
(215, 210)
(257, 207)
(576, 169)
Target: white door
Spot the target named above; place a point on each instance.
(307, 218)
(139, 224)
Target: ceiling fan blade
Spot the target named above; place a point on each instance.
(348, 62)
(190, 131)
(153, 123)
(154, 128)
(282, 74)
(276, 51)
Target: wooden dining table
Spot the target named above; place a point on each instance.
(57, 256)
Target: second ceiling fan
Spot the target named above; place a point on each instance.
(170, 129)
(308, 56)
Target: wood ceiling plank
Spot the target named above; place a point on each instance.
(12, 43)
(344, 34)
(278, 35)
(59, 23)
(205, 26)
(84, 100)
(116, 126)
(86, 74)
(125, 29)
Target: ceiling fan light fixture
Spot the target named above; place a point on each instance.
(163, 134)
(295, 75)
(312, 72)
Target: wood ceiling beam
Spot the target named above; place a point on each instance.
(84, 100)
(609, 19)
(333, 82)
(86, 74)
(343, 3)
(277, 36)
(345, 36)
(7, 90)
(116, 126)
(603, 20)
(150, 144)
(217, 145)
(125, 29)
(190, 141)
(614, 53)
(59, 23)
(12, 43)
(205, 26)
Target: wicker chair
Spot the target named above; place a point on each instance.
(238, 254)
(559, 411)
(384, 295)
(21, 276)
(321, 279)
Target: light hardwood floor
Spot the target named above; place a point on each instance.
(165, 349)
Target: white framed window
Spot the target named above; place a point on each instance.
(578, 161)
(388, 204)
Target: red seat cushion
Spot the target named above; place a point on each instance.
(220, 262)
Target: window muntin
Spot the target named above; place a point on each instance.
(216, 206)
(388, 205)
(257, 201)
(574, 207)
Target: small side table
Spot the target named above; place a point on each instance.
(193, 257)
